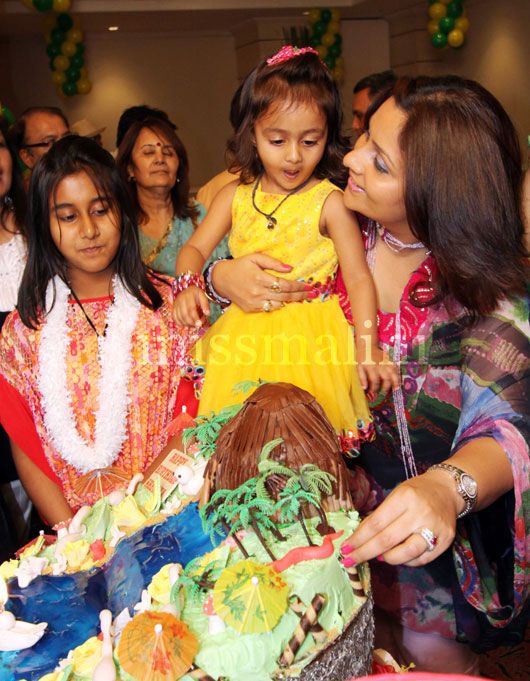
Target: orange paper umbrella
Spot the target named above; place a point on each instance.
(156, 646)
(250, 597)
(98, 483)
(180, 422)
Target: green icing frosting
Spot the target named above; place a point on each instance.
(240, 657)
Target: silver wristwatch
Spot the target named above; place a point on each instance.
(466, 486)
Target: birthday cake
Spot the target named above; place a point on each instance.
(249, 585)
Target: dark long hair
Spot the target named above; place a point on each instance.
(183, 206)
(301, 79)
(69, 156)
(16, 197)
(463, 184)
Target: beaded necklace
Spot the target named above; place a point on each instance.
(407, 455)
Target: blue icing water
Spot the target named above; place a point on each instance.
(71, 603)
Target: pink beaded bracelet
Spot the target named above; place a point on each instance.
(187, 279)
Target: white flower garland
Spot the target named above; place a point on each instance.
(115, 358)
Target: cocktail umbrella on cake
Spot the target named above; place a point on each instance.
(250, 597)
(99, 482)
(156, 646)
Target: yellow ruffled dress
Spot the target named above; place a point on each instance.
(309, 344)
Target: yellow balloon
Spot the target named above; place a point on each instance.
(61, 63)
(75, 35)
(455, 38)
(333, 27)
(61, 5)
(322, 51)
(338, 74)
(339, 62)
(84, 86)
(335, 15)
(437, 11)
(314, 15)
(68, 48)
(28, 4)
(433, 26)
(58, 77)
(328, 39)
(462, 24)
(84, 72)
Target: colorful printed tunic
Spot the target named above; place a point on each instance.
(157, 351)
(460, 382)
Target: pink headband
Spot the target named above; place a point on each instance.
(288, 52)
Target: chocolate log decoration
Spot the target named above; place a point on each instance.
(356, 583)
(307, 621)
(317, 632)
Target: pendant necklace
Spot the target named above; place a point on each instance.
(271, 221)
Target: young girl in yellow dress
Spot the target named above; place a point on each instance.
(287, 145)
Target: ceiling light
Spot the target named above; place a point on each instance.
(114, 28)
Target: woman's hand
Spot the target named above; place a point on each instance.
(245, 282)
(392, 532)
(191, 307)
(377, 373)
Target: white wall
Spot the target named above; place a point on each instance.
(190, 77)
(365, 48)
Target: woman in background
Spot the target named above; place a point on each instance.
(154, 162)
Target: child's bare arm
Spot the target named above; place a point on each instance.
(191, 304)
(341, 225)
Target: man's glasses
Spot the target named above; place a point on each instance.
(45, 144)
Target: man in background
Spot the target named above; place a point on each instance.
(36, 130)
(364, 92)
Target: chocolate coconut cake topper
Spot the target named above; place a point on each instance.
(293, 417)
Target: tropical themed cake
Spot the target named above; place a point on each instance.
(224, 563)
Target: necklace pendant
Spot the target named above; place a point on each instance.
(271, 222)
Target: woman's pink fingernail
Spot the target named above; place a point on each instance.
(308, 287)
(286, 266)
(312, 295)
(348, 562)
(381, 558)
(346, 548)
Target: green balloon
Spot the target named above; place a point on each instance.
(43, 5)
(65, 22)
(326, 15)
(334, 50)
(319, 29)
(454, 9)
(314, 42)
(72, 74)
(69, 88)
(80, 49)
(52, 50)
(338, 39)
(58, 36)
(329, 61)
(77, 61)
(446, 24)
(439, 40)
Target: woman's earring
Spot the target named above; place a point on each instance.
(131, 178)
(178, 180)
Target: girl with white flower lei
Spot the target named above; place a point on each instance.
(89, 363)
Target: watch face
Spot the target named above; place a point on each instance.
(469, 485)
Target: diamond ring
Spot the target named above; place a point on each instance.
(267, 306)
(275, 286)
(430, 538)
